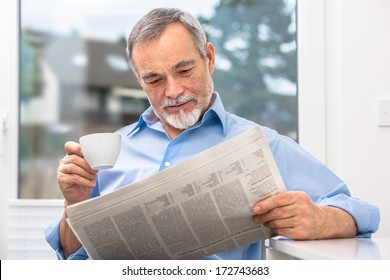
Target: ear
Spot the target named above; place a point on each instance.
(210, 55)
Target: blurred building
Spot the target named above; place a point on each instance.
(73, 86)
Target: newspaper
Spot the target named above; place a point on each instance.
(197, 208)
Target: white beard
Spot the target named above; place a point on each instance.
(183, 120)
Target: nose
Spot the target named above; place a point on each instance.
(174, 88)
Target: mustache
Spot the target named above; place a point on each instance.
(181, 99)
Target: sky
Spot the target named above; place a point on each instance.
(101, 19)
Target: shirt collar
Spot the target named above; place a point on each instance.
(148, 118)
(218, 110)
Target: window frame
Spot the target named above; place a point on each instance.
(311, 77)
(311, 97)
(9, 105)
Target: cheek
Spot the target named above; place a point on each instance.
(153, 97)
(192, 85)
(196, 84)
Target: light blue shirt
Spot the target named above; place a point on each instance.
(147, 149)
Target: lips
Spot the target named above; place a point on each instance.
(178, 107)
(179, 102)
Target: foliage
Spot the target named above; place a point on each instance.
(255, 46)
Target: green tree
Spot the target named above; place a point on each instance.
(255, 46)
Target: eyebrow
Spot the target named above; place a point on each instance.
(181, 64)
(149, 75)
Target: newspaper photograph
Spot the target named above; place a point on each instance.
(194, 209)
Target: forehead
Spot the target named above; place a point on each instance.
(175, 44)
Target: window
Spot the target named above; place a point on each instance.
(74, 77)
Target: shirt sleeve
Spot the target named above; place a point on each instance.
(366, 216)
(52, 234)
(302, 172)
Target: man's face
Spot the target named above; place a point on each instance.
(175, 78)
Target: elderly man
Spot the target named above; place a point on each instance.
(174, 63)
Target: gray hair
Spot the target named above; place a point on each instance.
(151, 26)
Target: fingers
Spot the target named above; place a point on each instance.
(277, 200)
(69, 180)
(73, 148)
(74, 170)
(291, 214)
(75, 164)
(281, 210)
(276, 214)
(74, 175)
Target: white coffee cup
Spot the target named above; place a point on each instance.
(101, 150)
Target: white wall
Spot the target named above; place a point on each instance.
(9, 105)
(357, 61)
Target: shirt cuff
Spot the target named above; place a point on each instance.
(366, 215)
(52, 234)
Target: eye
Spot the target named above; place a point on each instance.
(153, 82)
(185, 71)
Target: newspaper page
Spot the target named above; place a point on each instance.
(197, 208)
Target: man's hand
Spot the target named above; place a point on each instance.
(76, 180)
(294, 215)
(74, 175)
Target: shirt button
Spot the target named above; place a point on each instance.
(167, 164)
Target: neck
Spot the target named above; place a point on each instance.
(172, 131)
